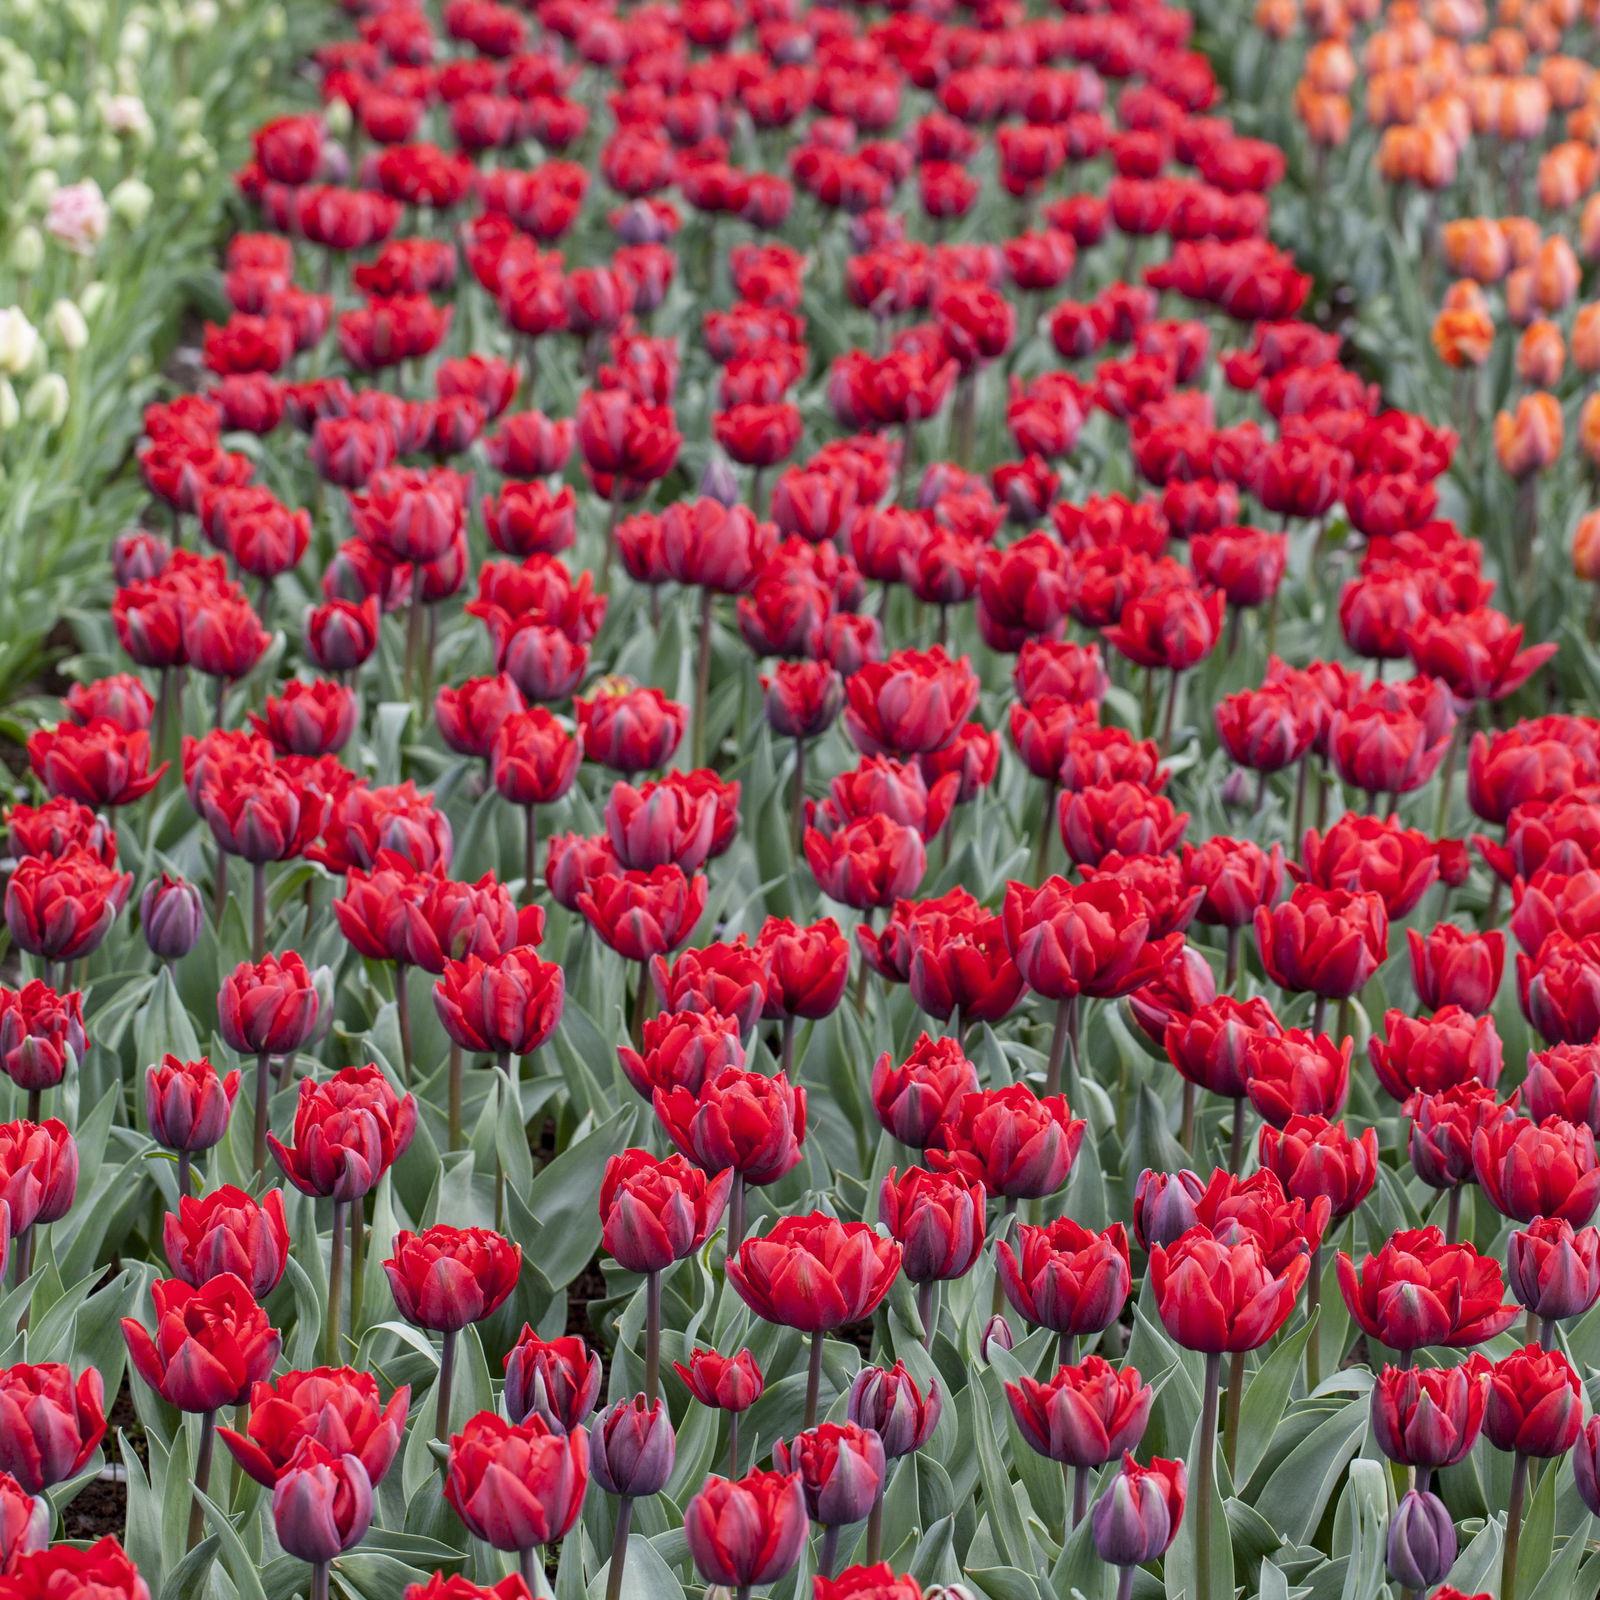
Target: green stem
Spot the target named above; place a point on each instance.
(652, 1335)
(702, 675)
(447, 1375)
(202, 1475)
(1508, 1563)
(1058, 1045)
(335, 1284)
(263, 1088)
(530, 852)
(619, 1548)
(1313, 1302)
(1230, 1426)
(925, 1312)
(1205, 1476)
(402, 1009)
(258, 910)
(358, 1256)
(814, 1380)
(455, 1071)
(828, 1554)
(797, 804)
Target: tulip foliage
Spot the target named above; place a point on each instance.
(732, 894)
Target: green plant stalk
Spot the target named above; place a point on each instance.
(1205, 1476)
(263, 1092)
(335, 1283)
(455, 1074)
(530, 852)
(258, 910)
(1230, 1425)
(702, 676)
(619, 1548)
(358, 1256)
(402, 1009)
(447, 1375)
(652, 1335)
(319, 1580)
(202, 1476)
(1508, 1561)
(814, 1380)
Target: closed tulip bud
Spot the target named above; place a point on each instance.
(1137, 1518)
(747, 1531)
(727, 1383)
(1422, 1541)
(322, 1503)
(1586, 1465)
(171, 916)
(1165, 1206)
(558, 1381)
(996, 1335)
(841, 1469)
(656, 1212)
(938, 1220)
(632, 1448)
(893, 1407)
(1554, 1269)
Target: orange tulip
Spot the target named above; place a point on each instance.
(1589, 429)
(1589, 229)
(1586, 548)
(1522, 239)
(1463, 338)
(1566, 174)
(1586, 338)
(1476, 248)
(1541, 354)
(1465, 295)
(1521, 305)
(1556, 274)
(1325, 117)
(1527, 440)
(1567, 80)
(1330, 67)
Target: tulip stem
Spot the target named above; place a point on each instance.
(814, 1379)
(1313, 1301)
(1067, 1350)
(530, 851)
(335, 1282)
(733, 1444)
(263, 1085)
(258, 910)
(1191, 1097)
(702, 675)
(1319, 1014)
(1125, 1582)
(1058, 1045)
(1230, 971)
(402, 1011)
(619, 1548)
(358, 1253)
(1230, 1425)
(1452, 1216)
(185, 1171)
(829, 1551)
(1041, 854)
(202, 1475)
(1171, 712)
(926, 1314)
(529, 1566)
(319, 1580)
(1547, 1332)
(1300, 782)
(1205, 1475)
(1508, 1562)
(736, 1214)
(447, 1373)
(797, 803)
(786, 1047)
(1241, 1121)
(454, 1092)
(413, 634)
(219, 890)
(652, 1335)
(35, 1104)
(1080, 1493)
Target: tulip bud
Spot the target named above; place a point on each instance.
(1136, 1519)
(1164, 1206)
(10, 407)
(171, 915)
(24, 1521)
(891, 1404)
(65, 326)
(1586, 1465)
(632, 1448)
(186, 1104)
(996, 1335)
(1553, 1269)
(841, 1468)
(1422, 1541)
(322, 1504)
(19, 342)
(47, 400)
(718, 483)
(27, 251)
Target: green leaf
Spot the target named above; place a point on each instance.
(1265, 1397)
(645, 1576)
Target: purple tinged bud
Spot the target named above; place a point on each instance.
(1422, 1541)
(172, 915)
(321, 1504)
(632, 1448)
(1164, 1206)
(638, 223)
(841, 1467)
(1138, 1517)
(1586, 1465)
(891, 1404)
(1553, 1269)
(335, 163)
(1238, 791)
(138, 555)
(718, 483)
(996, 1336)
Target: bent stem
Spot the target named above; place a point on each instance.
(1205, 1476)
(202, 1475)
(1508, 1562)
(652, 1335)
(619, 1548)
(814, 1380)
(447, 1376)
(335, 1282)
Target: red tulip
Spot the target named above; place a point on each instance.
(337, 1407)
(1452, 968)
(506, 1004)
(444, 1278)
(1065, 1277)
(1440, 1052)
(558, 1381)
(912, 1099)
(211, 1343)
(99, 764)
(937, 1219)
(728, 1383)
(1429, 1417)
(1214, 1296)
(1419, 1291)
(1316, 1159)
(815, 1273)
(644, 914)
(1328, 941)
(227, 1231)
(348, 1132)
(656, 1212)
(102, 1570)
(1535, 1403)
(516, 1486)
(1538, 1169)
(60, 909)
(745, 1121)
(1084, 1416)
(1010, 1140)
(747, 1531)
(1554, 1269)
(321, 1503)
(50, 1424)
